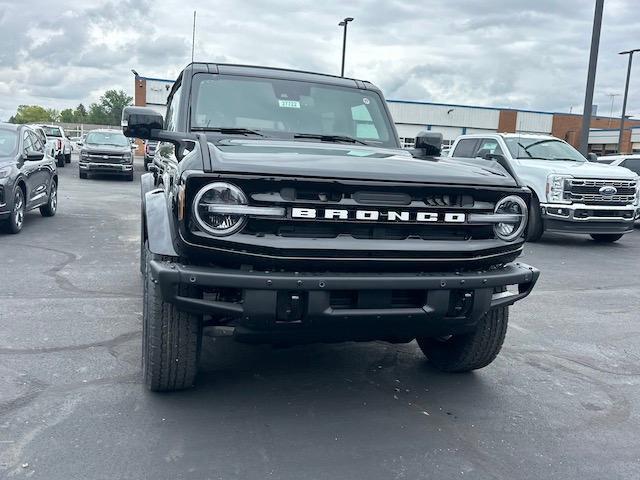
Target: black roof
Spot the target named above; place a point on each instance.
(10, 126)
(284, 73)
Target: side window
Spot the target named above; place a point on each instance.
(38, 146)
(632, 164)
(465, 148)
(28, 143)
(488, 146)
(171, 122)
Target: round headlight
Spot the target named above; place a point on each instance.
(517, 209)
(206, 216)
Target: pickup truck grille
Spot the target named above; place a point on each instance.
(106, 158)
(587, 191)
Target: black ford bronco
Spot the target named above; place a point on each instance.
(281, 208)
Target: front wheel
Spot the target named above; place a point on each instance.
(536, 225)
(16, 219)
(82, 174)
(171, 339)
(67, 158)
(60, 161)
(606, 237)
(469, 351)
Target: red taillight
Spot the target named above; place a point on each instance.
(146, 148)
(59, 144)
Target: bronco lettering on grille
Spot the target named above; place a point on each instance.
(376, 215)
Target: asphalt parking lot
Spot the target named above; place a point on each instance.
(562, 401)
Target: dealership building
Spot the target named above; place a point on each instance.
(452, 120)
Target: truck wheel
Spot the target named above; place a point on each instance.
(49, 210)
(606, 237)
(130, 177)
(83, 174)
(470, 351)
(67, 158)
(60, 160)
(170, 340)
(536, 227)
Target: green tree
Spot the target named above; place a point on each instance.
(54, 114)
(32, 114)
(67, 115)
(97, 115)
(80, 114)
(113, 102)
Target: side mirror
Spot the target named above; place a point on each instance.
(428, 144)
(592, 157)
(138, 122)
(79, 143)
(34, 156)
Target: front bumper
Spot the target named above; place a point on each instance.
(580, 218)
(275, 307)
(105, 167)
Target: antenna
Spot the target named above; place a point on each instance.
(193, 37)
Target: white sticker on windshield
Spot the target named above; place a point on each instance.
(289, 104)
(366, 101)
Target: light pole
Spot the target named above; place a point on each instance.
(591, 77)
(613, 97)
(626, 94)
(344, 24)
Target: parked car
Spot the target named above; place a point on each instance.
(631, 161)
(149, 152)
(106, 151)
(571, 194)
(62, 143)
(28, 176)
(284, 209)
(49, 143)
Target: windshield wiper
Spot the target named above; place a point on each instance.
(330, 138)
(228, 130)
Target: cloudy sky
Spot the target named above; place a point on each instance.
(507, 53)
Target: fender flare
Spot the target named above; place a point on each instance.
(156, 218)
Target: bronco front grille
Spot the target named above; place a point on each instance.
(588, 191)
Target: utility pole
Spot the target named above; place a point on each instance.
(344, 24)
(612, 96)
(591, 77)
(626, 94)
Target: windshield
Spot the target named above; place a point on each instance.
(270, 106)
(8, 142)
(115, 139)
(52, 131)
(542, 149)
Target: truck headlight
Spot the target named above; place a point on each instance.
(213, 220)
(556, 188)
(636, 202)
(516, 209)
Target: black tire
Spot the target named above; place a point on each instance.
(470, 351)
(83, 174)
(606, 237)
(536, 225)
(16, 219)
(130, 177)
(170, 340)
(60, 161)
(67, 158)
(146, 166)
(49, 210)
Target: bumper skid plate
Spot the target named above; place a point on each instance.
(308, 297)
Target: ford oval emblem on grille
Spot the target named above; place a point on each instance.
(608, 191)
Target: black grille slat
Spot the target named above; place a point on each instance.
(587, 191)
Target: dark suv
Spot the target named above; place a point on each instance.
(106, 151)
(28, 176)
(283, 208)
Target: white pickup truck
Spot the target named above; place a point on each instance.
(571, 194)
(61, 144)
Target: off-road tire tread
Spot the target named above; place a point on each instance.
(471, 351)
(171, 340)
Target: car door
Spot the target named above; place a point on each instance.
(36, 171)
(465, 148)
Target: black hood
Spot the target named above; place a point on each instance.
(342, 161)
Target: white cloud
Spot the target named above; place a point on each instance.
(512, 53)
